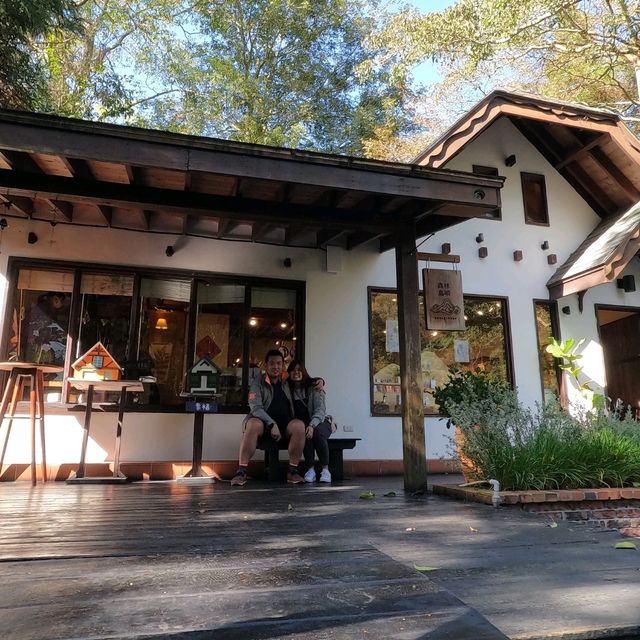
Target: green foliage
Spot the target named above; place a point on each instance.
(580, 51)
(22, 82)
(469, 387)
(567, 355)
(549, 448)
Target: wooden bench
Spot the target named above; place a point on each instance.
(336, 462)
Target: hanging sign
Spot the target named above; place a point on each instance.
(444, 305)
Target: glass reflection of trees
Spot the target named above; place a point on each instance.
(485, 335)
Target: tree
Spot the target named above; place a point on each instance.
(21, 75)
(581, 50)
(96, 73)
(281, 72)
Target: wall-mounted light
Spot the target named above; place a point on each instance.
(552, 258)
(626, 283)
(517, 255)
(480, 238)
(446, 248)
(253, 322)
(32, 238)
(566, 311)
(509, 161)
(545, 245)
(287, 263)
(169, 251)
(283, 325)
(483, 252)
(161, 324)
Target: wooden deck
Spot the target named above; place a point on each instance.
(167, 560)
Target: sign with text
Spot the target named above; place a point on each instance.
(444, 305)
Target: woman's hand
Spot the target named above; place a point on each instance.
(309, 432)
(319, 384)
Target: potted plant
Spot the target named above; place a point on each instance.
(467, 387)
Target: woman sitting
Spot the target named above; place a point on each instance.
(309, 406)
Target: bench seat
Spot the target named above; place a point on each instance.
(336, 461)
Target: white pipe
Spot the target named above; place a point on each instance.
(495, 498)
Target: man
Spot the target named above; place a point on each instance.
(271, 416)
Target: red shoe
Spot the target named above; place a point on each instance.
(294, 477)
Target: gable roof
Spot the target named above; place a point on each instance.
(593, 150)
(601, 257)
(97, 349)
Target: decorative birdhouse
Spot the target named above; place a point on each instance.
(204, 377)
(97, 364)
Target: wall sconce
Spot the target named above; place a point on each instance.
(161, 324)
(32, 238)
(509, 161)
(626, 283)
(169, 251)
(480, 238)
(545, 245)
(287, 263)
(446, 248)
(566, 311)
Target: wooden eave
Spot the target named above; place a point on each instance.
(591, 148)
(75, 172)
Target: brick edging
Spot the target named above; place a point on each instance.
(475, 494)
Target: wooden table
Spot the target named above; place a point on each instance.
(90, 386)
(22, 374)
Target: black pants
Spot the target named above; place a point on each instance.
(319, 443)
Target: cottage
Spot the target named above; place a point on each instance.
(239, 248)
(96, 364)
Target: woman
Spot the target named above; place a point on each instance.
(309, 406)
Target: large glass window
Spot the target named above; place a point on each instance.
(145, 320)
(546, 327)
(483, 345)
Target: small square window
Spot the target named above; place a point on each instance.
(97, 361)
(534, 195)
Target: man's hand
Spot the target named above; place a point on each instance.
(309, 432)
(319, 384)
(275, 432)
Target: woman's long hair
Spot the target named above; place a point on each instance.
(306, 380)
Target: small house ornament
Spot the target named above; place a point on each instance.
(204, 377)
(97, 364)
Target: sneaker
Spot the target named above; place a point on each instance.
(325, 475)
(310, 476)
(294, 477)
(240, 478)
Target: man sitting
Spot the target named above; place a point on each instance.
(271, 415)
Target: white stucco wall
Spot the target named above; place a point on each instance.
(337, 344)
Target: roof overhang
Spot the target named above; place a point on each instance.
(95, 174)
(592, 148)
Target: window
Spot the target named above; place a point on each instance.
(547, 327)
(534, 195)
(484, 344)
(145, 320)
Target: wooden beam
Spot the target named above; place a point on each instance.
(80, 169)
(614, 171)
(106, 213)
(259, 230)
(64, 208)
(582, 151)
(225, 227)
(323, 238)
(180, 202)
(412, 408)
(358, 238)
(23, 206)
(19, 161)
(293, 232)
(438, 257)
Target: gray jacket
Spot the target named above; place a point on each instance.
(261, 395)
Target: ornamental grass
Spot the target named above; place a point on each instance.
(546, 448)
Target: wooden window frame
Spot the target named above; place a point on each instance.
(17, 263)
(527, 178)
(555, 332)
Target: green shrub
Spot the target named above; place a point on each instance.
(547, 448)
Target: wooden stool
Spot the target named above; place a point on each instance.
(21, 375)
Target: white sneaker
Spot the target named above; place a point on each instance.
(325, 475)
(310, 476)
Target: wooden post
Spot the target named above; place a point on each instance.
(413, 446)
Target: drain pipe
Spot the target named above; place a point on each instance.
(495, 498)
